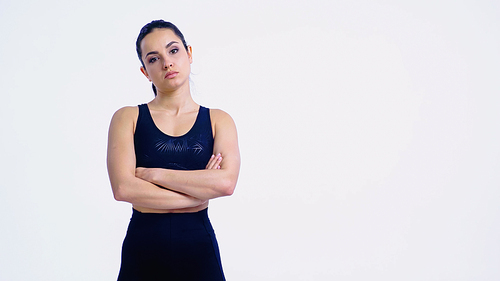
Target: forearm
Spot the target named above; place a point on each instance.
(146, 194)
(202, 184)
(217, 179)
(122, 165)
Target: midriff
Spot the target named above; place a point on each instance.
(165, 211)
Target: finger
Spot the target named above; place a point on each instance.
(211, 162)
(214, 162)
(217, 164)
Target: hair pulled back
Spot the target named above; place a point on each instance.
(150, 27)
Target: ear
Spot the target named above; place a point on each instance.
(190, 54)
(143, 70)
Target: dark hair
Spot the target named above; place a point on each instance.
(148, 28)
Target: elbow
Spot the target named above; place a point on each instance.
(228, 187)
(118, 196)
(119, 193)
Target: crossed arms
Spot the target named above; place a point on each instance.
(180, 189)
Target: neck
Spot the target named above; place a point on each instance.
(177, 101)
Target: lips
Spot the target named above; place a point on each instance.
(171, 74)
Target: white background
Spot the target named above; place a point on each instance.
(369, 135)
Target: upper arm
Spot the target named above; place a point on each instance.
(226, 143)
(121, 154)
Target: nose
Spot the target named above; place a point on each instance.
(168, 64)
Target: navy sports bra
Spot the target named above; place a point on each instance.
(155, 149)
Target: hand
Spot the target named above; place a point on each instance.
(214, 162)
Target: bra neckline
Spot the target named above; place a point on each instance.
(170, 136)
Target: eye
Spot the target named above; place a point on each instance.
(174, 51)
(153, 59)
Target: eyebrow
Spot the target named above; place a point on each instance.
(155, 52)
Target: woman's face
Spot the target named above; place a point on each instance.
(166, 62)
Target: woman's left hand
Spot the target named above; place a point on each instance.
(214, 162)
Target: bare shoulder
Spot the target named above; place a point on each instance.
(125, 117)
(126, 112)
(220, 116)
(222, 124)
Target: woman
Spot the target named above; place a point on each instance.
(168, 158)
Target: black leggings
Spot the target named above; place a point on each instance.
(170, 247)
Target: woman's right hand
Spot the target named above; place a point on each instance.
(214, 162)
